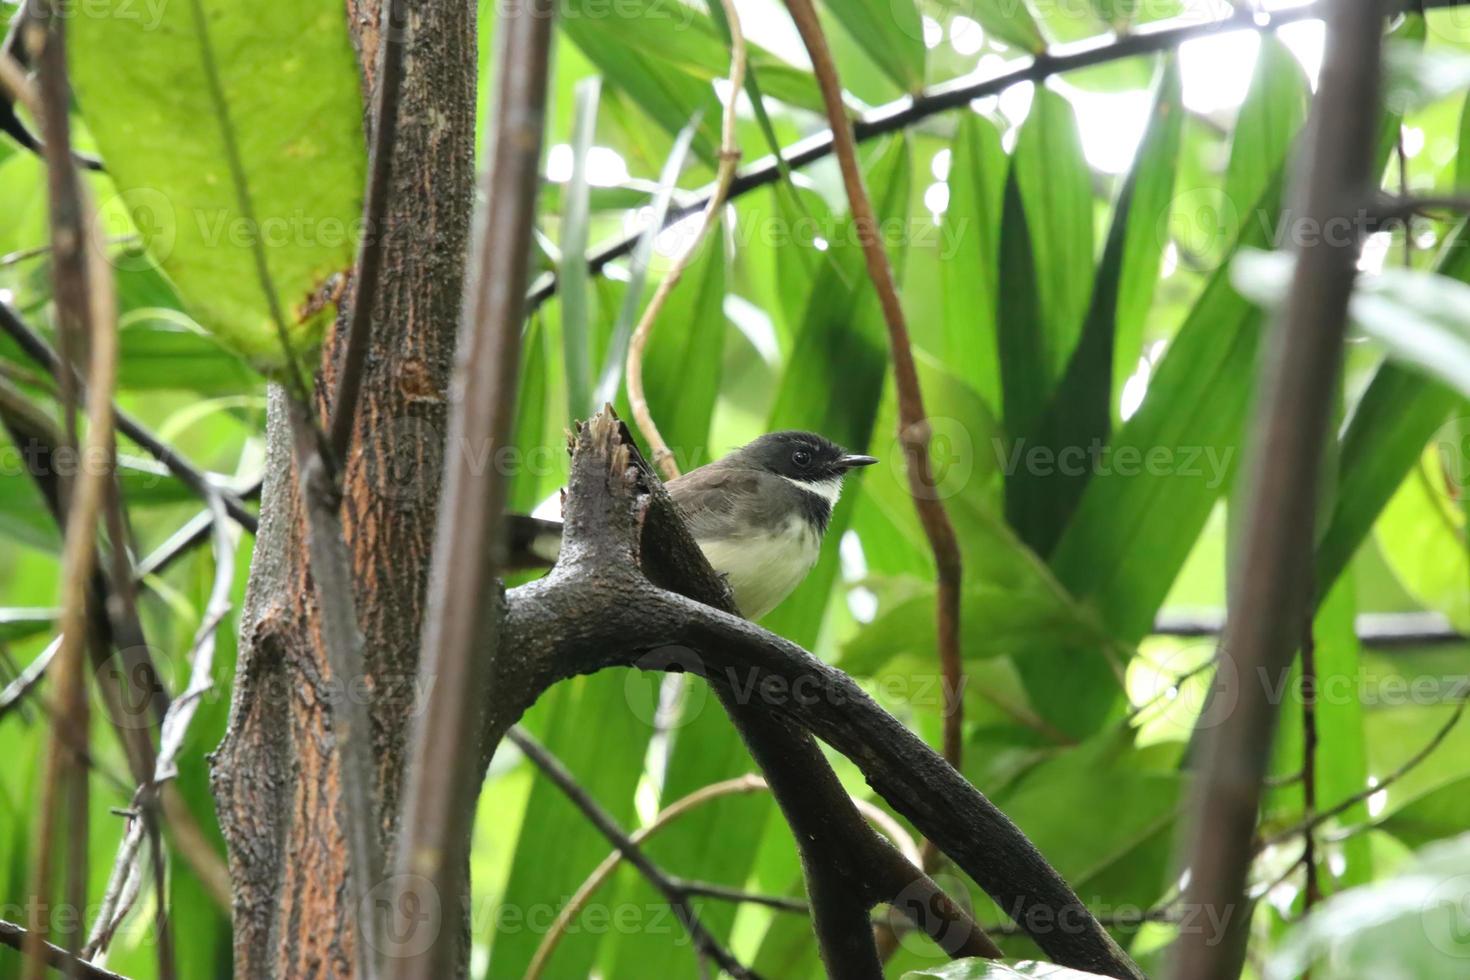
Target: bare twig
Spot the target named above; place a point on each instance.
(663, 458)
(672, 890)
(599, 876)
(460, 629)
(1299, 379)
(35, 347)
(119, 896)
(389, 82)
(16, 937)
(1312, 894)
(84, 297)
(191, 535)
(1316, 820)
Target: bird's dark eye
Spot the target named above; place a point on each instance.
(801, 457)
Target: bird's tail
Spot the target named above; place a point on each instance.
(533, 542)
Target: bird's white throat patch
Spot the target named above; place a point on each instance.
(828, 490)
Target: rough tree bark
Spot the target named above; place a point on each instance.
(275, 778)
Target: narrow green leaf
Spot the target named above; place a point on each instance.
(1270, 117)
(1079, 416)
(222, 168)
(576, 337)
(1055, 186)
(1010, 23)
(971, 271)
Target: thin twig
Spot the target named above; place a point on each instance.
(34, 346)
(118, 898)
(1313, 891)
(1407, 766)
(599, 876)
(16, 937)
(957, 93)
(672, 890)
(663, 458)
(913, 419)
(459, 649)
(1300, 361)
(374, 231)
(84, 296)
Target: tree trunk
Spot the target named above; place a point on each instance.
(275, 775)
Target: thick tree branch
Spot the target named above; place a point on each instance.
(596, 609)
(705, 945)
(1300, 366)
(460, 632)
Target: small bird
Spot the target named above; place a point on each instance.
(758, 514)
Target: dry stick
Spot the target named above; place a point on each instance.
(1313, 891)
(705, 794)
(375, 214)
(1406, 767)
(913, 420)
(551, 767)
(17, 937)
(461, 626)
(119, 897)
(35, 347)
(599, 876)
(84, 295)
(957, 94)
(663, 458)
(1301, 361)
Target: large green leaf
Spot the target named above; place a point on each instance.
(234, 137)
(1270, 117)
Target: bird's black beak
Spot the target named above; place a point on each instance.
(852, 462)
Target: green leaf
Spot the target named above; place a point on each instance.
(1270, 117)
(576, 335)
(1409, 925)
(668, 95)
(557, 848)
(890, 32)
(1422, 319)
(234, 139)
(1055, 186)
(1080, 413)
(970, 271)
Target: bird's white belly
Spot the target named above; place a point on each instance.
(762, 570)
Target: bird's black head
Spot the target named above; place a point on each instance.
(803, 456)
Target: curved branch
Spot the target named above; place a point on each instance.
(596, 609)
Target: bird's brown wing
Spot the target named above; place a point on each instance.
(707, 498)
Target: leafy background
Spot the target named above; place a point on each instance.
(1065, 253)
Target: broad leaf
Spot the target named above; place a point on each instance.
(246, 190)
